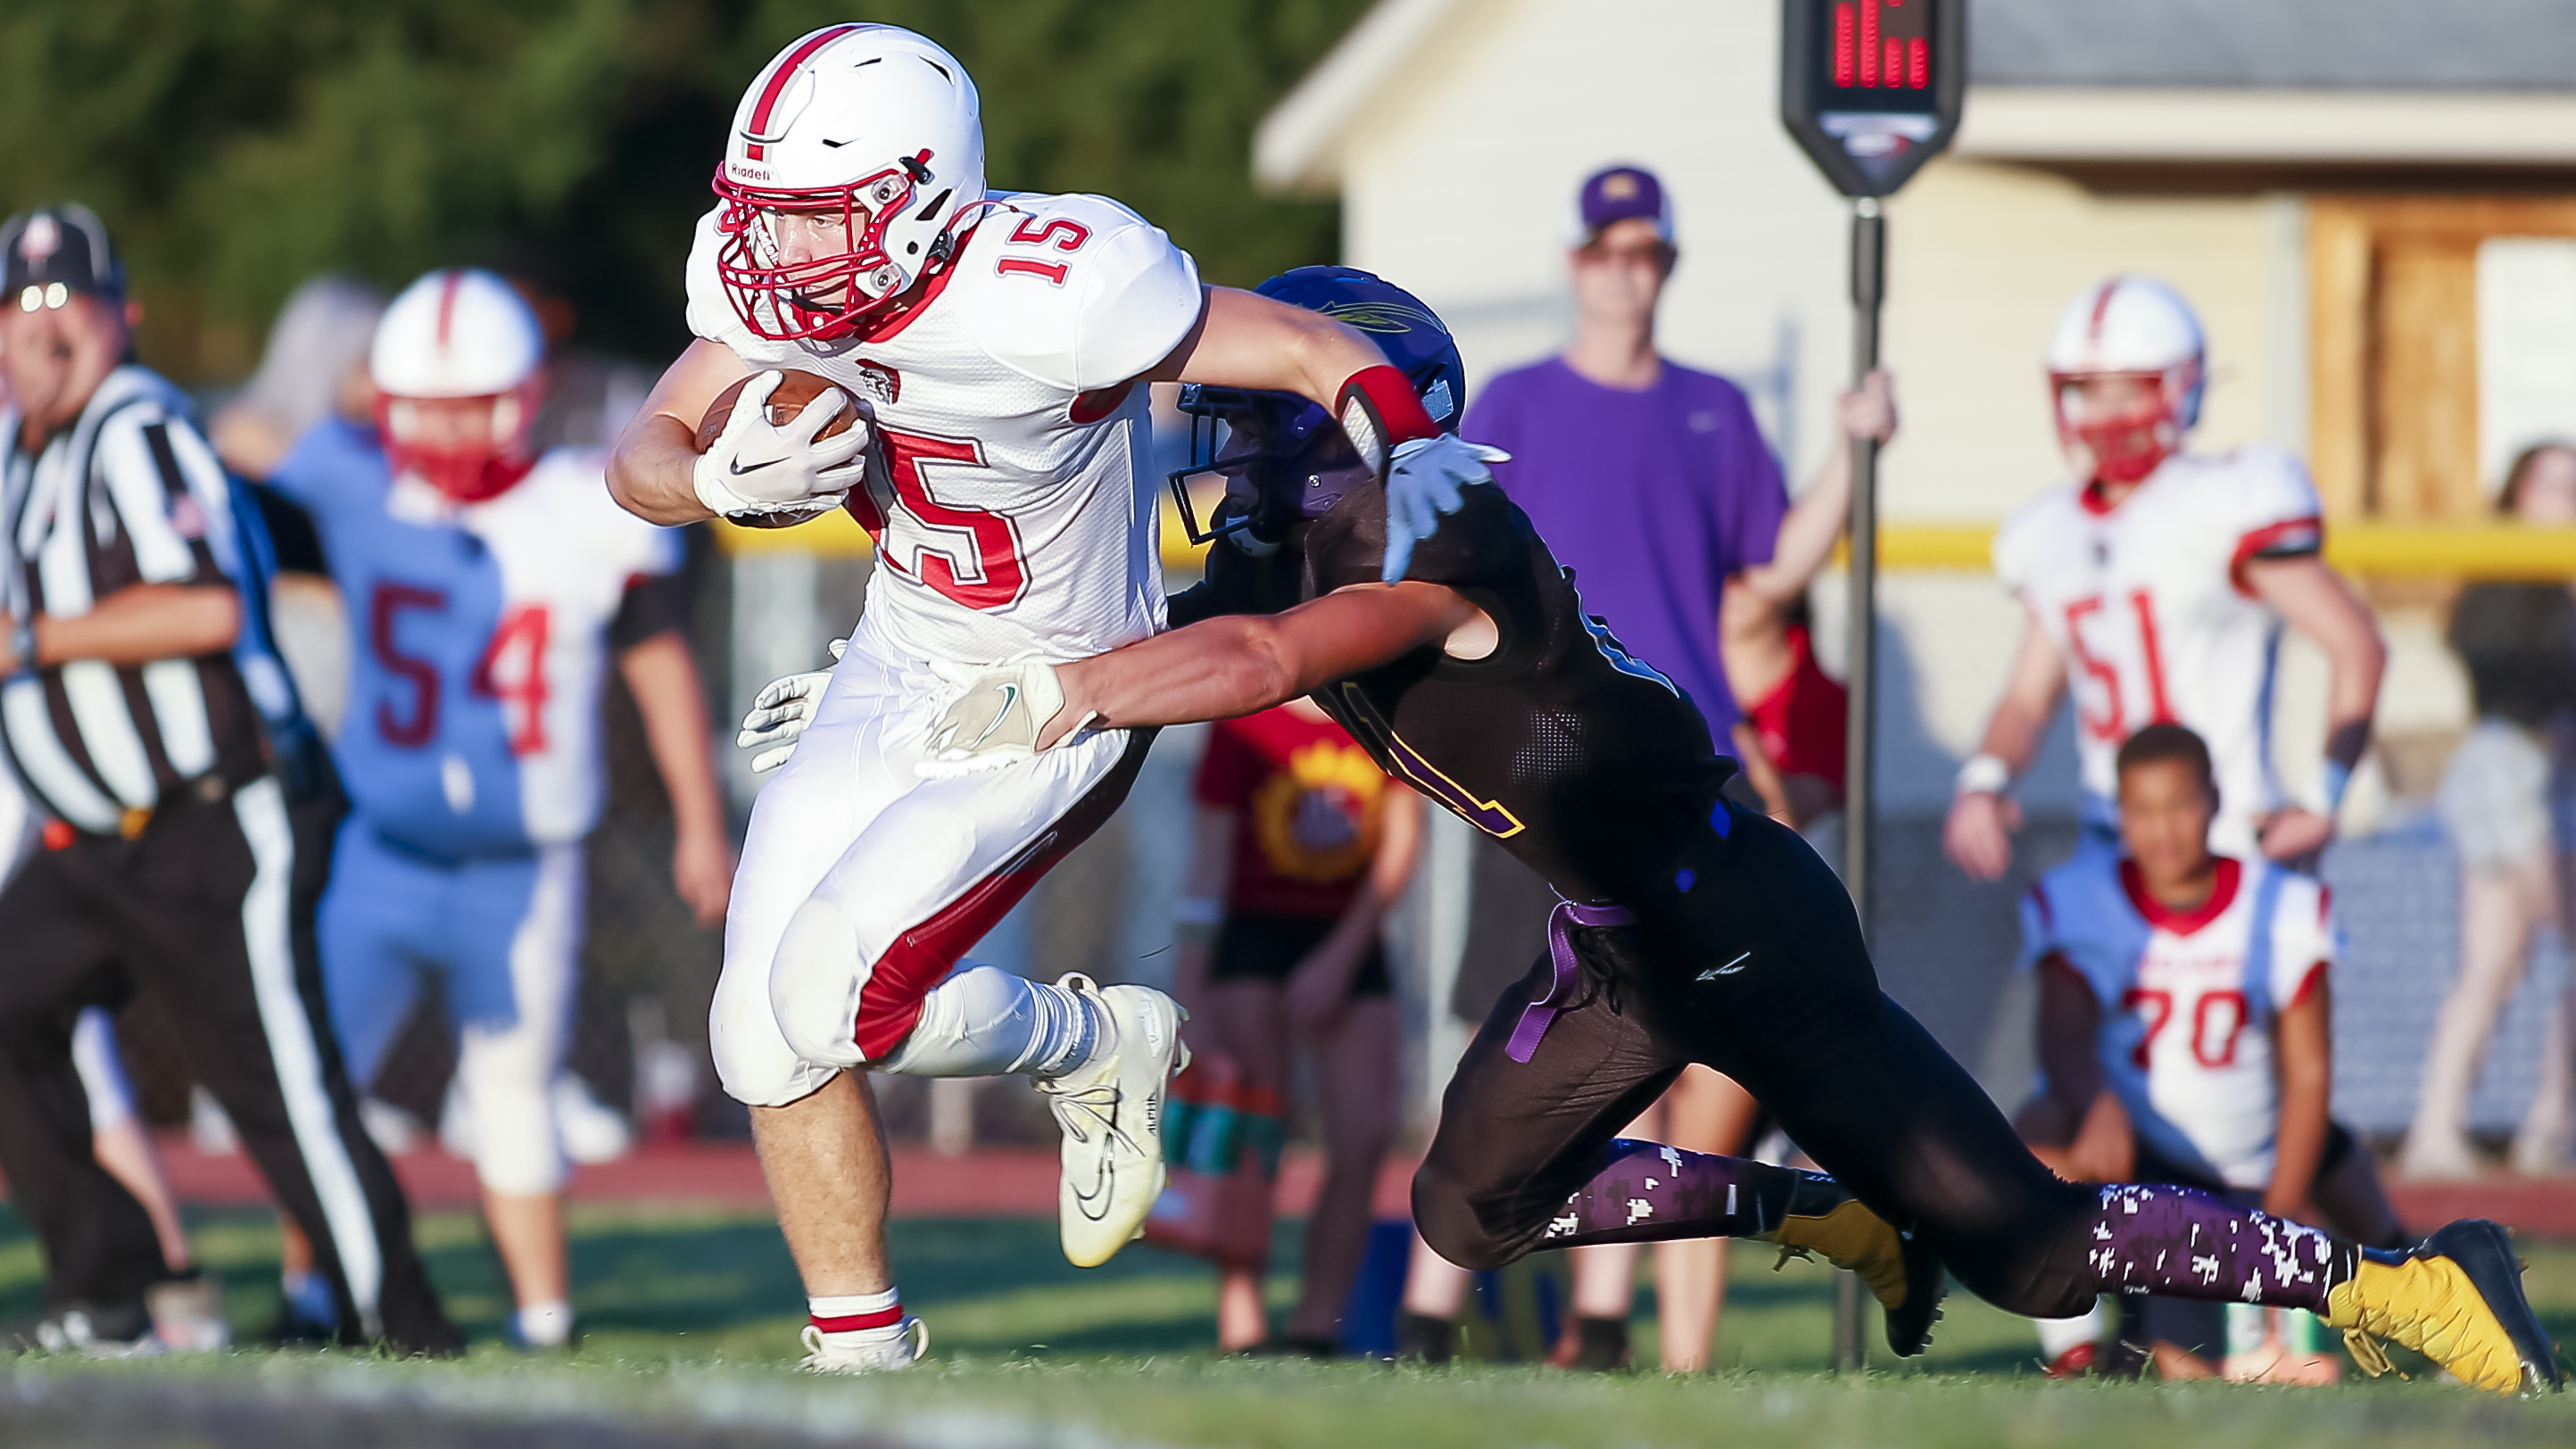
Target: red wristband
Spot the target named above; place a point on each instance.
(1379, 409)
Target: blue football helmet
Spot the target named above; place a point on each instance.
(1283, 457)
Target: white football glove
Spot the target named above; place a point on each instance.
(1422, 483)
(782, 712)
(753, 467)
(995, 720)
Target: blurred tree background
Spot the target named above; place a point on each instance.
(236, 148)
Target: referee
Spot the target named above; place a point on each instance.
(181, 861)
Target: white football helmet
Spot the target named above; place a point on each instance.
(459, 335)
(872, 122)
(2135, 327)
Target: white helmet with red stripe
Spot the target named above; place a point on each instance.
(457, 362)
(2126, 367)
(872, 131)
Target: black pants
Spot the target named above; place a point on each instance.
(1749, 958)
(211, 910)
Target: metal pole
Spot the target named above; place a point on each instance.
(1868, 289)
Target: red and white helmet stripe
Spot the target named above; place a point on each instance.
(459, 335)
(2128, 326)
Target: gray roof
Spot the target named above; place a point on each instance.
(2287, 44)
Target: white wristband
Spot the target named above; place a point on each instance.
(1983, 775)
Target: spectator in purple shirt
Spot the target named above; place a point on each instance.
(1647, 478)
(1651, 481)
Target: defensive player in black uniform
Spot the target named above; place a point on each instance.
(1444, 637)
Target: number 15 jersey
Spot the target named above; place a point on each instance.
(1015, 516)
(2147, 602)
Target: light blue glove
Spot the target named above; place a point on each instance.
(1422, 483)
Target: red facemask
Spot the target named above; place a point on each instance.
(2126, 447)
(466, 472)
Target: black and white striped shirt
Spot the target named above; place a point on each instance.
(128, 495)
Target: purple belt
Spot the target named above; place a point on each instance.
(1561, 922)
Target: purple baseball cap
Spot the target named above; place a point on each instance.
(1618, 193)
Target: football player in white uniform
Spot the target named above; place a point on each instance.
(2156, 583)
(2193, 986)
(997, 344)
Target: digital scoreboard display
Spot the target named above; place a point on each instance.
(1872, 88)
(1879, 56)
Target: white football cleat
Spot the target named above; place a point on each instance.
(867, 1351)
(1111, 1109)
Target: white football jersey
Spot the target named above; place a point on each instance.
(479, 640)
(1017, 514)
(2148, 604)
(2188, 1001)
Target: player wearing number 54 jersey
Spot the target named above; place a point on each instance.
(994, 347)
(486, 593)
(2156, 585)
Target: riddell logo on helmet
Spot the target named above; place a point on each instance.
(748, 173)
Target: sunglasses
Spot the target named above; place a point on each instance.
(50, 297)
(1652, 254)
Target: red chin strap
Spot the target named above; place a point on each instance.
(466, 476)
(2124, 454)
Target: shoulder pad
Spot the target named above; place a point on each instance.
(2023, 533)
(1078, 292)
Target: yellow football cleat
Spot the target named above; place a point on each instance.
(1824, 1220)
(2457, 1299)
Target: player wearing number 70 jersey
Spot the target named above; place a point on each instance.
(2156, 584)
(486, 592)
(995, 346)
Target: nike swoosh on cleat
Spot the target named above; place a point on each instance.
(1107, 1181)
(1731, 968)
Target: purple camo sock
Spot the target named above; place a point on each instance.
(1645, 1192)
(2183, 1243)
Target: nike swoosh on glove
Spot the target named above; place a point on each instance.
(1422, 484)
(782, 712)
(756, 467)
(995, 720)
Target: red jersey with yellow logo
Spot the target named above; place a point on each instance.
(1308, 805)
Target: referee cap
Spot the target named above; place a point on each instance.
(55, 250)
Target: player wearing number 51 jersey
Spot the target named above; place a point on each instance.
(487, 592)
(2156, 584)
(994, 347)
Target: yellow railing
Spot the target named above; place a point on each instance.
(2425, 550)
(2470, 551)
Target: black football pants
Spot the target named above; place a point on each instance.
(210, 909)
(1749, 958)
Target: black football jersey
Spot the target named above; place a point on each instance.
(1581, 760)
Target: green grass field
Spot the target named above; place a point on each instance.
(691, 1324)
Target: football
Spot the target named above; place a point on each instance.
(796, 389)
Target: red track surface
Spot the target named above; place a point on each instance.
(1007, 1182)
(993, 1182)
